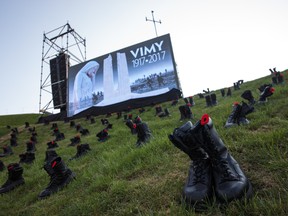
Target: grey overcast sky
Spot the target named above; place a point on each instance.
(215, 43)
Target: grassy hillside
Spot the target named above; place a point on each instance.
(116, 178)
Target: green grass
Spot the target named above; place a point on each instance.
(116, 178)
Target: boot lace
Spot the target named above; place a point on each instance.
(199, 172)
(225, 171)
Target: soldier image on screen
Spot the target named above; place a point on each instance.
(160, 79)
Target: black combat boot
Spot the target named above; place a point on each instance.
(13, 140)
(185, 112)
(132, 126)
(84, 132)
(214, 99)
(267, 91)
(191, 101)
(223, 92)
(245, 110)
(143, 133)
(165, 113)
(247, 95)
(208, 100)
(174, 102)
(30, 146)
(230, 182)
(137, 120)
(102, 135)
(109, 126)
(188, 112)
(234, 116)
(15, 178)
(49, 155)
(119, 115)
(27, 157)
(22, 158)
(2, 166)
(82, 149)
(52, 144)
(92, 120)
(75, 140)
(198, 187)
(182, 112)
(158, 110)
(72, 124)
(7, 150)
(229, 92)
(60, 176)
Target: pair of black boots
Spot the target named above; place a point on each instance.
(7, 150)
(137, 126)
(185, 112)
(60, 174)
(27, 157)
(82, 149)
(213, 170)
(238, 114)
(266, 91)
(15, 178)
(160, 113)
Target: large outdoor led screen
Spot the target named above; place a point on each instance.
(142, 70)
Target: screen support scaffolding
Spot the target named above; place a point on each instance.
(62, 40)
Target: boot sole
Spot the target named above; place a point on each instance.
(68, 180)
(15, 185)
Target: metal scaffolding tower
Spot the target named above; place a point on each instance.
(63, 40)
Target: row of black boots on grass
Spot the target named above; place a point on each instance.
(60, 175)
